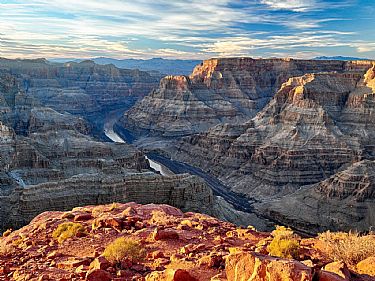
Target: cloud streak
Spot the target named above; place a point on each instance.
(173, 29)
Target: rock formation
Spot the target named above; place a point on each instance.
(343, 201)
(159, 243)
(218, 91)
(80, 88)
(48, 161)
(317, 125)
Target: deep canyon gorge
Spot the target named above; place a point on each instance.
(266, 140)
(93, 153)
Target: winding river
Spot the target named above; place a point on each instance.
(167, 167)
(111, 134)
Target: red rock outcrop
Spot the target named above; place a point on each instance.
(204, 249)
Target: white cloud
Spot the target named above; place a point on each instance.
(177, 29)
(365, 47)
(292, 5)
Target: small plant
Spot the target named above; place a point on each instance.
(123, 248)
(113, 207)
(7, 233)
(349, 247)
(285, 244)
(67, 230)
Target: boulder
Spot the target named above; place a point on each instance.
(339, 268)
(164, 234)
(367, 266)
(171, 275)
(100, 263)
(98, 275)
(252, 266)
(329, 276)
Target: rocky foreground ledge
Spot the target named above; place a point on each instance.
(159, 242)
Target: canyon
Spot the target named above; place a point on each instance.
(217, 91)
(303, 149)
(51, 155)
(239, 145)
(252, 141)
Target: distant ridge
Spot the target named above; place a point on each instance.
(165, 66)
(340, 58)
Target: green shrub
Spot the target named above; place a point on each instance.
(285, 244)
(349, 247)
(123, 248)
(67, 230)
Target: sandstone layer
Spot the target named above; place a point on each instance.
(317, 125)
(169, 246)
(218, 91)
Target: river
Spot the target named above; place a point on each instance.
(111, 134)
(167, 167)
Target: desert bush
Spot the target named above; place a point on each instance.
(67, 230)
(285, 244)
(122, 248)
(113, 207)
(284, 232)
(350, 247)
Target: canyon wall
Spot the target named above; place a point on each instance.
(187, 192)
(49, 161)
(228, 90)
(80, 88)
(316, 125)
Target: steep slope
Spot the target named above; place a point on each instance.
(219, 90)
(315, 126)
(345, 200)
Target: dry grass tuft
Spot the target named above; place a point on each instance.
(67, 230)
(123, 248)
(349, 247)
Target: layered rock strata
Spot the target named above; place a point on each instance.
(315, 126)
(219, 91)
(183, 191)
(80, 88)
(343, 201)
(48, 161)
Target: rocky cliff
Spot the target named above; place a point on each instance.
(316, 125)
(219, 91)
(160, 243)
(80, 88)
(49, 161)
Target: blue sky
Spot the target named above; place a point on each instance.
(187, 29)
